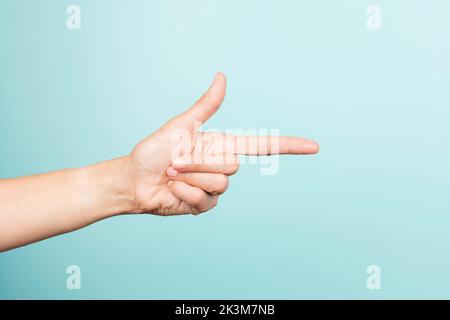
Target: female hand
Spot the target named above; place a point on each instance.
(179, 170)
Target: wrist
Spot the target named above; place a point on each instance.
(109, 187)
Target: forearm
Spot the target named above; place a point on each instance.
(37, 207)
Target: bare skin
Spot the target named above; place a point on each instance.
(176, 170)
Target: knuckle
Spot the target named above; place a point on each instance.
(206, 205)
(222, 183)
(197, 199)
(234, 168)
(211, 204)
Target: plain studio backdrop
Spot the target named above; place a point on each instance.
(376, 100)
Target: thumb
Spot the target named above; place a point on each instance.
(209, 103)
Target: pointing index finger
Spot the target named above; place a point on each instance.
(270, 145)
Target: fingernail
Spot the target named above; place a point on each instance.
(217, 76)
(171, 172)
(170, 183)
(312, 146)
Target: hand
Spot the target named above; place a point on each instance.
(176, 170)
(179, 170)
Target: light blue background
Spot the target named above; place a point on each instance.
(378, 103)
